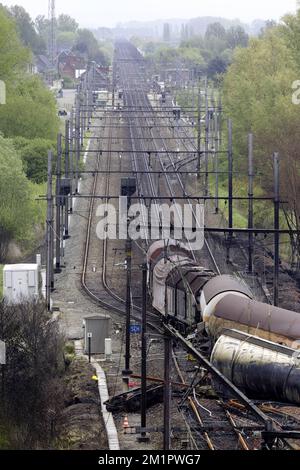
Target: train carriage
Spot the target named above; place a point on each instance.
(183, 288)
(175, 281)
(185, 294)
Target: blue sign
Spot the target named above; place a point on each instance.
(135, 329)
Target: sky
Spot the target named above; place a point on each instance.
(93, 13)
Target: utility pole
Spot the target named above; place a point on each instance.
(206, 136)
(216, 167)
(216, 155)
(143, 437)
(67, 155)
(167, 392)
(199, 131)
(250, 208)
(194, 108)
(85, 108)
(77, 140)
(276, 227)
(71, 157)
(230, 186)
(127, 372)
(220, 122)
(58, 205)
(113, 84)
(82, 114)
(49, 223)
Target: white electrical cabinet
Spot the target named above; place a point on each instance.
(21, 282)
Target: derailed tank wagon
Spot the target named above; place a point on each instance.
(258, 367)
(186, 294)
(258, 351)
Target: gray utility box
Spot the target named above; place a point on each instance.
(98, 327)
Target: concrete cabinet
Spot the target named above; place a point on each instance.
(98, 329)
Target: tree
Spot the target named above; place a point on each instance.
(186, 32)
(34, 154)
(290, 31)
(16, 210)
(66, 23)
(66, 40)
(166, 55)
(215, 30)
(167, 32)
(257, 95)
(14, 57)
(237, 37)
(215, 40)
(216, 66)
(191, 56)
(26, 30)
(195, 41)
(42, 25)
(34, 350)
(87, 45)
(30, 110)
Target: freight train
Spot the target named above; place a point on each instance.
(255, 345)
(185, 294)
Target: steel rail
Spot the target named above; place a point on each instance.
(106, 305)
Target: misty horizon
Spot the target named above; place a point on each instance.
(93, 15)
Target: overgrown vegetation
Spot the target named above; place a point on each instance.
(258, 96)
(28, 128)
(255, 77)
(33, 395)
(28, 121)
(33, 153)
(19, 212)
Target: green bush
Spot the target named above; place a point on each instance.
(69, 83)
(34, 154)
(20, 213)
(30, 111)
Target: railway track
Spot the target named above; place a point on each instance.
(103, 294)
(229, 434)
(140, 101)
(140, 131)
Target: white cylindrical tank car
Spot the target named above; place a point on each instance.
(218, 288)
(259, 368)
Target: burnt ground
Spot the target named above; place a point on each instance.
(80, 425)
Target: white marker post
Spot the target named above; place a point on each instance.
(89, 336)
(2, 363)
(2, 353)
